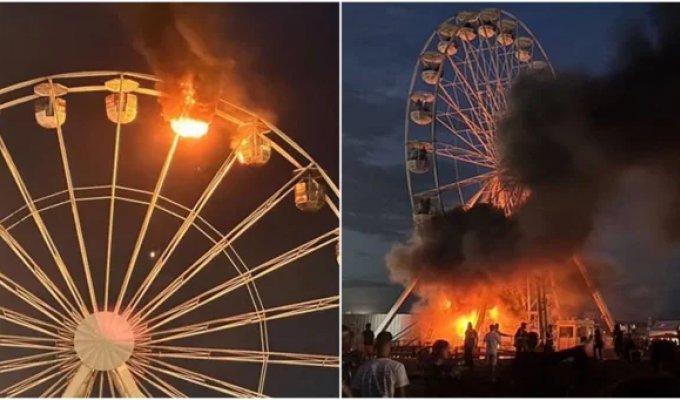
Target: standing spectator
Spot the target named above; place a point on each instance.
(469, 345)
(439, 370)
(369, 337)
(618, 341)
(492, 340)
(521, 338)
(549, 340)
(381, 376)
(598, 345)
(351, 359)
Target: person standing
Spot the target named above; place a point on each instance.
(549, 340)
(438, 371)
(521, 338)
(492, 341)
(469, 345)
(598, 345)
(369, 337)
(618, 341)
(381, 376)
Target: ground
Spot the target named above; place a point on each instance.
(605, 378)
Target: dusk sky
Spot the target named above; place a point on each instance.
(381, 43)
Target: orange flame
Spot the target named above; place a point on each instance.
(189, 127)
(187, 124)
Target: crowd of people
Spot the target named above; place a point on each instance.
(372, 371)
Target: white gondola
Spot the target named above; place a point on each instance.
(421, 107)
(431, 62)
(506, 37)
(310, 194)
(253, 148)
(523, 49)
(447, 31)
(488, 19)
(425, 210)
(418, 160)
(466, 21)
(50, 108)
(121, 98)
(448, 48)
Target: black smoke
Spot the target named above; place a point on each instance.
(572, 141)
(182, 44)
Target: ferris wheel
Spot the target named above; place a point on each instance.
(458, 92)
(125, 284)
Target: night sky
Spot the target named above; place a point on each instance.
(381, 43)
(285, 62)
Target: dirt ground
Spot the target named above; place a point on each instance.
(602, 379)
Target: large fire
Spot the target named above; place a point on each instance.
(445, 316)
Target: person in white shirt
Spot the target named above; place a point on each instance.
(382, 376)
(492, 340)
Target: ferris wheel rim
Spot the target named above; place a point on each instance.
(153, 92)
(432, 142)
(288, 149)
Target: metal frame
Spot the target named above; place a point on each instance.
(62, 312)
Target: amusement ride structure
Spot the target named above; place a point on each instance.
(136, 313)
(458, 93)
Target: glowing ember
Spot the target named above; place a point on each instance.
(189, 127)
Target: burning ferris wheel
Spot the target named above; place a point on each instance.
(458, 93)
(113, 288)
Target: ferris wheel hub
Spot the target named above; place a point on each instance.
(104, 341)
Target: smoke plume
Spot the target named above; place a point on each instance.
(187, 44)
(573, 142)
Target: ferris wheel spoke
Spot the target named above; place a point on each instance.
(464, 155)
(146, 375)
(473, 97)
(60, 384)
(254, 317)
(34, 324)
(33, 300)
(147, 219)
(475, 85)
(474, 126)
(184, 228)
(35, 269)
(220, 246)
(47, 238)
(199, 379)
(248, 356)
(32, 361)
(112, 202)
(27, 342)
(230, 285)
(74, 206)
(455, 185)
(36, 379)
(109, 381)
(467, 141)
(493, 88)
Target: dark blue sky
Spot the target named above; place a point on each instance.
(381, 43)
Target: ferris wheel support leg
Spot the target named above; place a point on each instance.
(597, 297)
(79, 384)
(397, 305)
(125, 383)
